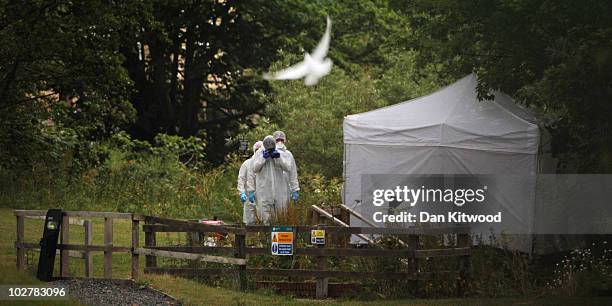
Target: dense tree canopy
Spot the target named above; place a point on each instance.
(55, 51)
(74, 73)
(555, 56)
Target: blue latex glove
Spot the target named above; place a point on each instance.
(295, 195)
(252, 196)
(243, 197)
(275, 154)
(266, 154)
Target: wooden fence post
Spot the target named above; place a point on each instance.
(108, 243)
(65, 254)
(88, 241)
(315, 217)
(135, 242)
(20, 248)
(463, 240)
(322, 282)
(150, 261)
(240, 252)
(413, 242)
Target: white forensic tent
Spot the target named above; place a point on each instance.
(447, 132)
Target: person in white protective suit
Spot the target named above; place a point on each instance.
(291, 176)
(248, 207)
(266, 183)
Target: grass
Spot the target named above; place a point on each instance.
(191, 292)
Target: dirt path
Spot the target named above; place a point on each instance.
(105, 292)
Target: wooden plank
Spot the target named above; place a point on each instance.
(95, 248)
(463, 240)
(88, 227)
(322, 283)
(353, 252)
(108, 242)
(99, 214)
(191, 226)
(413, 230)
(190, 256)
(150, 261)
(329, 229)
(315, 218)
(203, 249)
(330, 273)
(358, 215)
(306, 229)
(36, 247)
(64, 254)
(339, 222)
(413, 262)
(20, 236)
(193, 238)
(368, 222)
(340, 252)
(80, 247)
(328, 252)
(22, 212)
(28, 245)
(78, 222)
(135, 242)
(177, 229)
(190, 272)
(464, 251)
(240, 245)
(82, 214)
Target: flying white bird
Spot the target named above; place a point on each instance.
(313, 67)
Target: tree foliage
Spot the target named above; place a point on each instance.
(75, 73)
(312, 117)
(61, 76)
(555, 56)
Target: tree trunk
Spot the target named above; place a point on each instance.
(194, 80)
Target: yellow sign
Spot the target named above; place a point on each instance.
(317, 236)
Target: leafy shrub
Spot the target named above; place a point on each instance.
(583, 272)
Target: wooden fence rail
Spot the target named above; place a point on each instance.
(434, 231)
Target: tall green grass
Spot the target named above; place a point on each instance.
(151, 184)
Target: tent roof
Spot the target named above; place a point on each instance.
(450, 117)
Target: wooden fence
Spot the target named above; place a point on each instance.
(237, 253)
(67, 248)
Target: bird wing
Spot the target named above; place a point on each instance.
(317, 72)
(296, 71)
(320, 52)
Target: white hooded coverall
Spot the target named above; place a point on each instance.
(248, 208)
(291, 175)
(272, 189)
